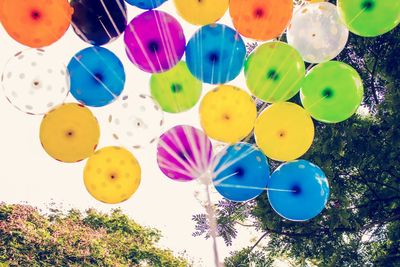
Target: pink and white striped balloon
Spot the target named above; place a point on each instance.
(184, 153)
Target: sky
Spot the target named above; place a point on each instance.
(29, 175)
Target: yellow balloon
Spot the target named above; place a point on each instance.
(227, 114)
(112, 175)
(201, 12)
(69, 132)
(284, 131)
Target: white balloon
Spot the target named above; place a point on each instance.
(34, 82)
(317, 32)
(136, 121)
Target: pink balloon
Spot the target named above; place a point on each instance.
(155, 41)
(184, 153)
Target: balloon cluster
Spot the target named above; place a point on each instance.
(155, 42)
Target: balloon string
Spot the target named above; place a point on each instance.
(228, 162)
(356, 16)
(255, 188)
(213, 226)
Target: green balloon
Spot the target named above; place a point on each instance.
(274, 72)
(176, 90)
(332, 92)
(369, 18)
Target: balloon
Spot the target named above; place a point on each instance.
(274, 72)
(112, 175)
(184, 153)
(176, 90)
(241, 172)
(215, 54)
(284, 131)
(261, 19)
(201, 12)
(146, 4)
(135, 120)
(35, 23)
(155, 41)
(332, 92)
(97, 76)
(99, 22)
(227, 114)
(34, 82)
(369, 18)
(308, 190)
(317, 32)
(69, 132)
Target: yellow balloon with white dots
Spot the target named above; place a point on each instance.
(69, 132)
(227, 114)
(201, 12)
(112, 175)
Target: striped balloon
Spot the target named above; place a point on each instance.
(184, 153)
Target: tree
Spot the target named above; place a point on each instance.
(29, 238)
(361, 158)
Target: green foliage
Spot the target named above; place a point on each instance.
(28, 238)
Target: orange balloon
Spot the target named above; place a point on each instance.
(35, 23)
(261, 19)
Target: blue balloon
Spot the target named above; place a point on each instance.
(309, 190)
(146, 4)
(97, 76)
(241, 172)
(215, 54)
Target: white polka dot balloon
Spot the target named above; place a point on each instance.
(317, 32)
(34, 82)
(136, 121)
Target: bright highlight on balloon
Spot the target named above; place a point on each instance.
(274, 72)
(309, 190)
(370, 18)
(261, 19)
(284, 131)
(34, 82)
(176, 90)
(240, 172)
(146, 4)
(35, 23)
(332, 92)
(97, 76)
(154, 41)
(135, 121)
(99, 22)
(184, 153)
(201, 12)
(69, 132)
(112, 175)
(215, 54)
(317, 32)
(227, 114)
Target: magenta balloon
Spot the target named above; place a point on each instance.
(155, 41)
(184, 153)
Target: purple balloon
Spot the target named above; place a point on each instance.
(184, 153)
(155, 41)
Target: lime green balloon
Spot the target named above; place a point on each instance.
(176, 90)
(369, 18)
(274, 72)
(332, 92)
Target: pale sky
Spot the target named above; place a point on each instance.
(30, 175)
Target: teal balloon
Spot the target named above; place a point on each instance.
(307, 190)
(97, 76)
(215, 54)
(241, 172)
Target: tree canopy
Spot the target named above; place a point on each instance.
(30, 238)
(361, 158)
